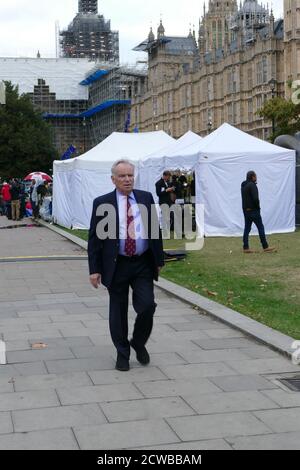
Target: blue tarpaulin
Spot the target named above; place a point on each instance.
(68, 154)
(104, 105)
(61, 116)
(94, 77)
(90, 112)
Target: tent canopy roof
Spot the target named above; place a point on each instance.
(227, 144)
(131, 146)
(177, 146)
(185, 142)
(228, 141)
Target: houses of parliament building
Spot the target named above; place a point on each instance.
(242, 57)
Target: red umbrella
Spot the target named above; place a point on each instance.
(36, 175)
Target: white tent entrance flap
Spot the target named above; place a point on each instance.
(77, 182)
(181, 155)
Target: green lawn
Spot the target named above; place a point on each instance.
(262, 286)
(84, 234)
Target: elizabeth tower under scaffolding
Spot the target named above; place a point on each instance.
(90, 35)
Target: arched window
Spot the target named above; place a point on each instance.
(220, 34)
(265, 69)
(214, 33)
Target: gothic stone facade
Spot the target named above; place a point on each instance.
(224, 76)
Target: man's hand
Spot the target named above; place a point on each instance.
(95, 280)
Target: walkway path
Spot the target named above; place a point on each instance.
(208, 386)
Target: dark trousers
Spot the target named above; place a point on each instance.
(35, 209)
(138, 275)
(250, 218)
(8, 209)
(167, 221)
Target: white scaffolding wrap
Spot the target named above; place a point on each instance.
(63, 76)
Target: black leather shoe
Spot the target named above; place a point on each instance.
(141, 354)
(122, 364)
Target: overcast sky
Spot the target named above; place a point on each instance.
(27, 26)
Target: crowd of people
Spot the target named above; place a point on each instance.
(17, 200)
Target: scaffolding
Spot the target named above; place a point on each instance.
(85, 123)
(110, 95)
(53, 85)
(88, 6)
(89, 35)
(83, 101)
(62, 115)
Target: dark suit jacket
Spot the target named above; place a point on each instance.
(164, 197)
(103, 254)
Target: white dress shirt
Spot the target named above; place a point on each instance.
(142, 242)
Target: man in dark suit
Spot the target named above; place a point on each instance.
(166, 192)
(125, 250)
(165, 189)
(252, 213)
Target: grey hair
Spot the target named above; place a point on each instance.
(120, 162)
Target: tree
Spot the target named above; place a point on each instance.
(284, 113)
(25, 138)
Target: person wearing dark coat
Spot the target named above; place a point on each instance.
(252, 212)
(125, 250)
(165, 189)
(22, 200)
(177, 188)
(166, 193)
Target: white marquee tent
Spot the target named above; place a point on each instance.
(221, 162)
(177, 146)
(78, 181)
(181, 155)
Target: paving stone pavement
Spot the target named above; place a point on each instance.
(208, 386)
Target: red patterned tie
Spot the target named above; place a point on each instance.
(130, 243)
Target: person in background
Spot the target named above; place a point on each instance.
(35, 198)
(183, 185)
(1, 201)
(43, 190)
(252, 213)
(6, 197)
(193, 187)
(28, 209)
(31, 190)
(15, 192)
(22, 200)
(177, 189)
(165, 190)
